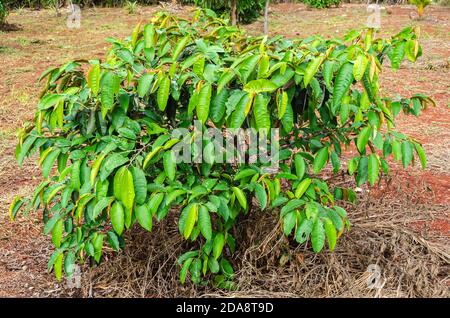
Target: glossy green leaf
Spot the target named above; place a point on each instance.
(144, 217)
(318, 236)
(204, 222)
(117, 216)
(320, 160)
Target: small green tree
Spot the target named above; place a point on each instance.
(113, 135)
(420, 4)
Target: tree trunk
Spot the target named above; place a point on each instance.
(266, 13)
(174, 2)
(56, 2)
(233, 12)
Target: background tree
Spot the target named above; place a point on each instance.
(233, 12)
(420, 4)
(266, 13)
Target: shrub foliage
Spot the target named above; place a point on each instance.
(321, 4)
(106, 126)
(3, 13)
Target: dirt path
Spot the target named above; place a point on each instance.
(44, 41)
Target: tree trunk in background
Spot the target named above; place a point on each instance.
(174, 2)
(56, 3)
(233, 12)
(266, 13)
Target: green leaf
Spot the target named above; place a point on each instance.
(195, 270)
(108, 90)
(218, 103)
(303, 231)
(204, 222)
(238, 115)
(359, 67)
(289, 222)
(262, 116)
(151, 155)
(112, 162)
(224, 79)
(407, 153)
(50, 100)
(282, 104)
(69, 263)
(75, 182)
(96, 167)
(291, 205)
(185, 270)
(124, 188)
(58, 265)
(29, 141)
(173, 195)
(93, 78)
(373, 169)
(144, 217)
(163, 93)
(362, 171)
(155, 202)
(218, 244)
(190, 221)
(342, 83)
(261, 196)
(421, 154)
(186, 256)
(245, 174)
(396, 54)
(51, 223)
(117, 216)
(240, 196)
(330, 231)
(302, 187)
(259, 86)
(140, 185)
(213, 265)
(170, 164)
(320, 160)
(144, 84)
(396, 150)
(14, 207)
(247, 67)
(317, 236)
(97, 242)
(280, 79)
(57, 232)
(113, 240)
(363, 138)
(149, 36)
(335, 161)
(300, 166)
(179, 47)
(101, 205)
(410, 50)
(312, 69)
(328, 68)
(204, 99)
(49, 161)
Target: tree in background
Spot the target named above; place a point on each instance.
(233, 12)
(321, 4)
(266, 17)
(3, 13)
(420, 4)
(240, 11)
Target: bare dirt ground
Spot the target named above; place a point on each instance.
(44, 40)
